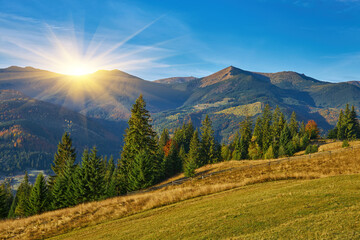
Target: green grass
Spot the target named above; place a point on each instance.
(326, 208)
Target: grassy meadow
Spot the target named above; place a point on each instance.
(325, 181)
(317, 209)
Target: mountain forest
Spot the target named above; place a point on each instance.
(147, 159)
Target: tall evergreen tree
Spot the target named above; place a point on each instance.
(23, 195)
(209, 150)
(6, 199)
(258, 134)
(139, 139)
(188, 133)
(293, 125)
(276, 126)
(91, 177)
(65, 153)
(195, 147)
(64, 189)
(245, 139)
(266, 128)
(39, 196)
(164, 138)
(141, 174)
(341, 126)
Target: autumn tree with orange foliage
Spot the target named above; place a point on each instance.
(312, 129)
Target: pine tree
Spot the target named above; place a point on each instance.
(139, 139)
(39, 196)
(189, 168)
(285, 136)
(245, 139)
(164, 138)
(266, 128)
(276, 128)
(91, 177)
(302, 130)
(269, 153)
(109, 173)
(6, 199)
(194, 152)
(340, 126)
(65, 153)
(258, 132)
(182, 156)
(23, 195)
(209, 151)
(188, 133)
(141, 172)
(254, 150)
(352, 125)
(172, 162)
(225, 152)
(293, 125)
(63, 192)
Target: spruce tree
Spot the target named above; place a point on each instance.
(91, 177)
(65, 153)
(172, 162)
(23, 195)
(189, 168)
(302, 130)
(164, 138)
(188, 133)
(269, 153)
(209, 150)
(39, 196)
(139, 139)
(276, 126)
(182, 157)
(141, 171)
(194, 152)
(285, 136)
(225, 152)
(245, 139)
(6, 199)
(340, 126)
(352, 125)
(64, 190)
(266, 128)
(293, 125)
(109, 173)
(258, 132)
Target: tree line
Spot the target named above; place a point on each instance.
(147, 159)
(347, 127)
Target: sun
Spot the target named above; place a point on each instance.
(78, 69)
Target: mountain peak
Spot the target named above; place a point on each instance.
(221, 75)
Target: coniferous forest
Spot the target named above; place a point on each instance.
(147, 159)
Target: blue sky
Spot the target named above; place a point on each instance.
(158, 39)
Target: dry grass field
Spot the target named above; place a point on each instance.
(210, 179)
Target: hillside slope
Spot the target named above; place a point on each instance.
(30, 131)
(325, 208)
(214, 179)
(231, 94)
(103, 94)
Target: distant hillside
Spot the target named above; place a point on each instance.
(104, 94)
(355, 83)
(227, 96)
(31, 129)
(230, 94)
(174, 80)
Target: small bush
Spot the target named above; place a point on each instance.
(311, 149)
(345, 144)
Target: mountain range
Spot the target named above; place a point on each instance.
(95, 107)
